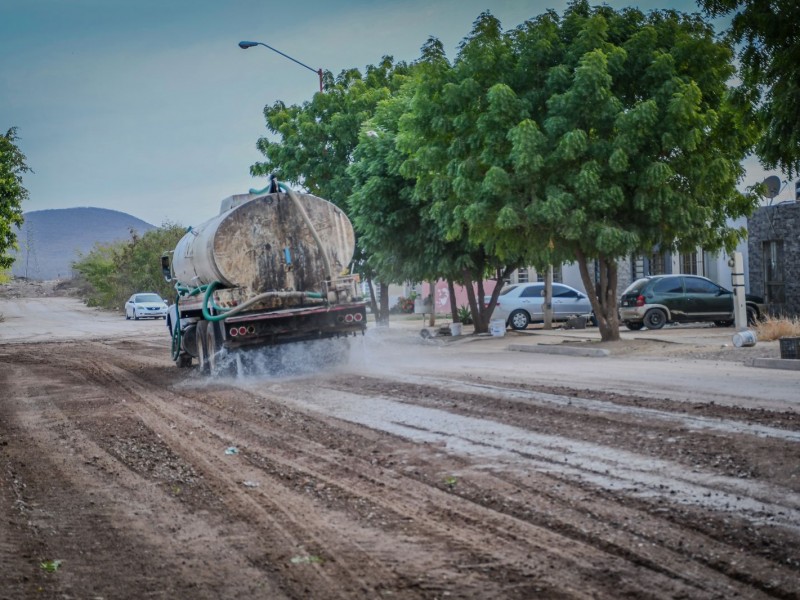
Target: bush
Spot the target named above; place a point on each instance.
(405, 305)
(775, 328)
(110, 273)
(464, 315)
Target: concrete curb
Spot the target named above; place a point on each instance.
(553, 349)
(774, 363)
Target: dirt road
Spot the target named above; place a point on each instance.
(421, 469)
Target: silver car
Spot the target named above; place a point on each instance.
(523, 303)
(146, 305)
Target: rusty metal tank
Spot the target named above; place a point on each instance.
(264, 243)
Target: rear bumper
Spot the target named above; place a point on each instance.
(293, 325)
(632, 313)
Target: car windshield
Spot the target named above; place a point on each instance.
(147, 298)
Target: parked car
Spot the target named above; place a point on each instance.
(655, 301)
(145, 305)
(523, 303)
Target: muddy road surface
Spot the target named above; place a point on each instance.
(419, 469)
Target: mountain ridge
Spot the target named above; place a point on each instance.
(50, 240)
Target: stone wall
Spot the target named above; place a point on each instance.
(778, 222)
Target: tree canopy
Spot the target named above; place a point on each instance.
(588, 136)
(112, 272)
(12, 193)
(634, 140)
(766, 31)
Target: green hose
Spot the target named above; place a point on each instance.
(209, 291)
(176, 334)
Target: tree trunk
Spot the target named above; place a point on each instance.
(383, 312)
(373, 301)
(482, 314)
(548, 298)
(451, 289)
(432, 299)
(603, 295)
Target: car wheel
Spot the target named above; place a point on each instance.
(127, 316)
(723, 323)
(634, 325)
(519, 319)
(752, 316)
(655, 318)
(135, 315)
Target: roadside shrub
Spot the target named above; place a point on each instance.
(464, 315)
(775, 328)
(110, 273)
(404, 305)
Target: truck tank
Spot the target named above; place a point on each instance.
(267, 243)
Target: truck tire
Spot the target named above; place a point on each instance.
(202, 346)
(218, 364)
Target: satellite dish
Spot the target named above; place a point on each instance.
(773, 185)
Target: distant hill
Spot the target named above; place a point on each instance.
(50, 240)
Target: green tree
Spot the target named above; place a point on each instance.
(115, 271)
(98, 269)
(458, 150)
(12, 194)
(312, 145)
(770, 72)
(633, 141)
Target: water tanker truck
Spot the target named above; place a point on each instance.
(270, 269)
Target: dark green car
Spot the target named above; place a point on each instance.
(655, 301)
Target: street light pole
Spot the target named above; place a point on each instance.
(246, 45)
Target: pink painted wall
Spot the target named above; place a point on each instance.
(441, 296)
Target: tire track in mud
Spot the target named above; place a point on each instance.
(113, 529)
(109, 378)
(740, 574)
(596, 452)
(278, 500)
(376, 504)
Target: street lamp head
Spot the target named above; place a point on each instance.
(245, 45)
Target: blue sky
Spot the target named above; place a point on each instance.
(151, 108)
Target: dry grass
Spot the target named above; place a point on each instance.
(773, 328)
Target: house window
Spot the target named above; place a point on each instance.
(522, 276)
(773, 272)
(690, 265)
(556, 275)
(657, 264)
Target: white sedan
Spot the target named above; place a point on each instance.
(523, 303)
(140, 306)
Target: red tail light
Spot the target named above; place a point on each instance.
(358, 317)
(234, 332)
(640, 301)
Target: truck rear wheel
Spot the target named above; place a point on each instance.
(202, 346)
(218, 364)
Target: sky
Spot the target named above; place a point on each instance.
(151, 108)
